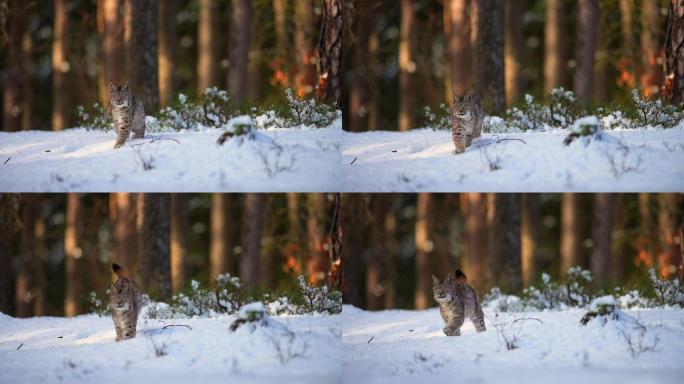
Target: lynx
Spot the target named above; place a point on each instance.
(457, 300)
(126, 302)
(467, 117)
(128, 114)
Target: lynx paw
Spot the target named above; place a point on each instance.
(450, 331)
(118, 145)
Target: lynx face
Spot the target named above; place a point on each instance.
(121, 96)
(443, 289)
(463, 106)
(123, 295)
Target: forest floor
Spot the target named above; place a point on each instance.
(640, 160)
(402, 346)
(77, 160)
(52, 350)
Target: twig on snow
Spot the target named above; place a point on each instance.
(371, 339)
(356, 158)
(22, 344)
(8, 159)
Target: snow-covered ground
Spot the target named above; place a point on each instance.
(292, 160)
(402, 346)
(642, 160)
(82, 349)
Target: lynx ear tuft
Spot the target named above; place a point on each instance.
(117, 269)
(435, 280)
(111, 84)
(460, 276)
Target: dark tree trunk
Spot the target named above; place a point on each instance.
(391, 255)
(674, 53)
(602, 234)
(571, 241)
(305, 75)
(180, 230)
(651, 27)
(167, 50)
(240, 28)
(488, 61)
(330, 53)
(554, 46)
(154, 244)
(13, 94)
(424, 247)
(511, 276)
(60, 62)
(587, 30)
(336, 242)
(143, 67)
(669, 217)
(73, 256)
(374, 268)
(25, 275)
(352, 227)
(40, 254)
(208, 50)
(253, 223)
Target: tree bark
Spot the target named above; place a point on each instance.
(240, 28)
(180, 230)
(674, 53)
(143, 67)
(514, 49)
(352, 284)
(253, 221)
(529, 230)
(154, 244)
(25, 278)
(602, 233)
(167, 50)
(317, 263)
(554, 46)
(40, 255)
(652, 73)
(374, 267)
(391, 256)
(73, 256)
(125, 232)
(330, 53)
(280, 16)
(629, 45)
(645, 243)
(113, 45)
(407, 67)
(476, 239)
(305, 74)
(60, 67)
(13, 94)
(424, 247)
(587, 27)
(457, 34)
(571, 241)
(488, 64)
(669, 217)
(220, 252)
(208, 50)
(511, 276)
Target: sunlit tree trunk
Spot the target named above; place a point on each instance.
(674, 53)
(669, 217)
(125, 232)
(253, 222)
(60, 66)
(167, 49)
(180, 231)
(73, 256)
(317, 263)
(144, 68)
(587, 28)
(153, 243)
(476, 239)
(554, 46)
(407, 66)
(330, 53)
(651, 27)
(602, 234)
(645, 240)
(488, 64)
(494, 243)
(304, 48)
(629, 45)
(240, 28)
(40, 255)
(221, 246)
(529, 231)
(514, 49)
(208, 50)
(457, 33)
(113, 45)
(570, 237)
(424, 247)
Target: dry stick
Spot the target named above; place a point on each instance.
(371, 339)
(356, 158)
(8, 159)
(177, 325)
(22, 344)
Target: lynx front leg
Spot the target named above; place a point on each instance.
(469, 140)
(119, 333)
(121, 136)
(459, 143)
(478, 321)
(454, 327)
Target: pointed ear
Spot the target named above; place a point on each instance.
(126, 84)
(435, 280)
(111, 84)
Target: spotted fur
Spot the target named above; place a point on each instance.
(128, 114)
(126, 302)
(467, 117)
(457, 300)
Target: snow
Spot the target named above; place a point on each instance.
(421, 160)
(76, 160)
(83, 349)
(607, 300)
(402, 346)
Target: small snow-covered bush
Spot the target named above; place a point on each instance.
(652, 112)
(100, 304)
(306, 299)
(500, 302)
(296, 112)
(439, 119)
(666, 292)
(94, 118)
(214, 109)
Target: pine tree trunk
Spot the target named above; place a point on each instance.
(488, 61)
(476, 239)
(587, 27)
(669, 217)
(514, 47)
(180, 230)
(9, 225)
(629, 45)
(40, 255)
(25, 279)
(330, 53)
(651, 26)
(511, 275)
(457, 34)
(154, 244)
(392, 247)
(353, 245)
(602, 233)
(208, 50)
(220, 250)
(317, 263)
(304, 48)
(280, 16)
(407, 66)
(60, 67)
(125, 232)
(359, 88)
(554, 46)
(424, 246)
(645, 240)
(529, 230)
(494, 243)
(73, 255)
(570, 237)
(374, 268)
(144, 68)
(674, 53)
(253, 222)
(240, 28)
(13, 95)
(167, 49)
(114, 50)
(295, 233)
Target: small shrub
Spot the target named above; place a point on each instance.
(438, 120)
(296, 112)
(666, 292)
(100, 304)
(95, 118)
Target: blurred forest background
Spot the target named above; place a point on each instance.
(57, 248)
(57, 55)
(408, 54)
(394, 243)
